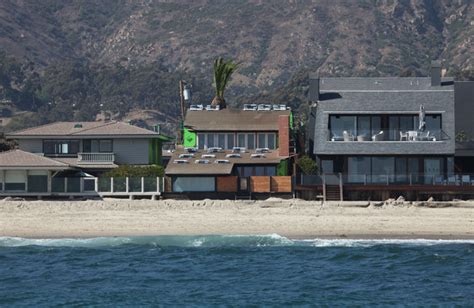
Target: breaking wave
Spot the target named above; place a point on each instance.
(217, 241)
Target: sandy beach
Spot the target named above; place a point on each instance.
(290, 218)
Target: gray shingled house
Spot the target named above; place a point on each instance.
(380, 137)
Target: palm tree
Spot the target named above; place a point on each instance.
(222, 72)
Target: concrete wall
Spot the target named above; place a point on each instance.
(385, 103)
(131, 151)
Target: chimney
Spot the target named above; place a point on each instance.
(284, 135)
(313, 87)
(435, 73)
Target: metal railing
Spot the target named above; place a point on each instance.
(388, 135)
(387, 179)
(96, 157)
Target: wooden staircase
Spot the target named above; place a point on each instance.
(333, 193)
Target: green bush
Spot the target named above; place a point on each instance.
(136, 171)
(307, 165)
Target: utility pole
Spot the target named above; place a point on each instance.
(181, 104)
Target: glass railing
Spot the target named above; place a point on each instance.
(130, 185)
(388, 135)
(386, 179)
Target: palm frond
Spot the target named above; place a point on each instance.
(222, 72)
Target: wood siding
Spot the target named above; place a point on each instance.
(226, 183)
(260, 184)
(281, 184)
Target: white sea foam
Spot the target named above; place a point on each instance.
(217, 241)
(375, 242)
(163, 241)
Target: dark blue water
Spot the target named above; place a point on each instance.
(237, 271)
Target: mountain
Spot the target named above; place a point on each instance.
(275, 42)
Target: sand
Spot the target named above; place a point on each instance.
(291, 218)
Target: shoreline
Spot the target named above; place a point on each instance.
(294, 219)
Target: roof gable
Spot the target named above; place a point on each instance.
(84, 129)
(22, 159)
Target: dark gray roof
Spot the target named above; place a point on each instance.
(388, 84)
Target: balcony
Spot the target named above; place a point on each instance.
(388, 135)
(94, 158)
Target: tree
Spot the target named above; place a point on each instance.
(307, 165)
(222, 72)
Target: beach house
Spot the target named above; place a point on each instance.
(66, 158)
(382, 137)
(233, 152)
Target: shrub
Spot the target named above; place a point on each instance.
(307, 165)
(136, 171)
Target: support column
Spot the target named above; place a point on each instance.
(50, 179)
(143, 184)
(26, 183)
(3, 181)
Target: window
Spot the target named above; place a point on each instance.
(270, 171)
(201, 140)
(210, 141)
(221, 140)
(358, 169)
(339, 124)
(230, 141)
(262, 140)
(271, 141)
(250, 141)
(241, 140)
(382, 169)
(97, 146)
(57, 147)
(266, 140)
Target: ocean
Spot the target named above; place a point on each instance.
(267, 270)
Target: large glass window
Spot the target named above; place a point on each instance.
(382, 169)
(340, 123)
(358, 169)
(401, 170)
(386, 127)
(363, 127)
(97, 146)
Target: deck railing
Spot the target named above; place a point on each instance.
(387, 179)
(387, 135)
(96, 157)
